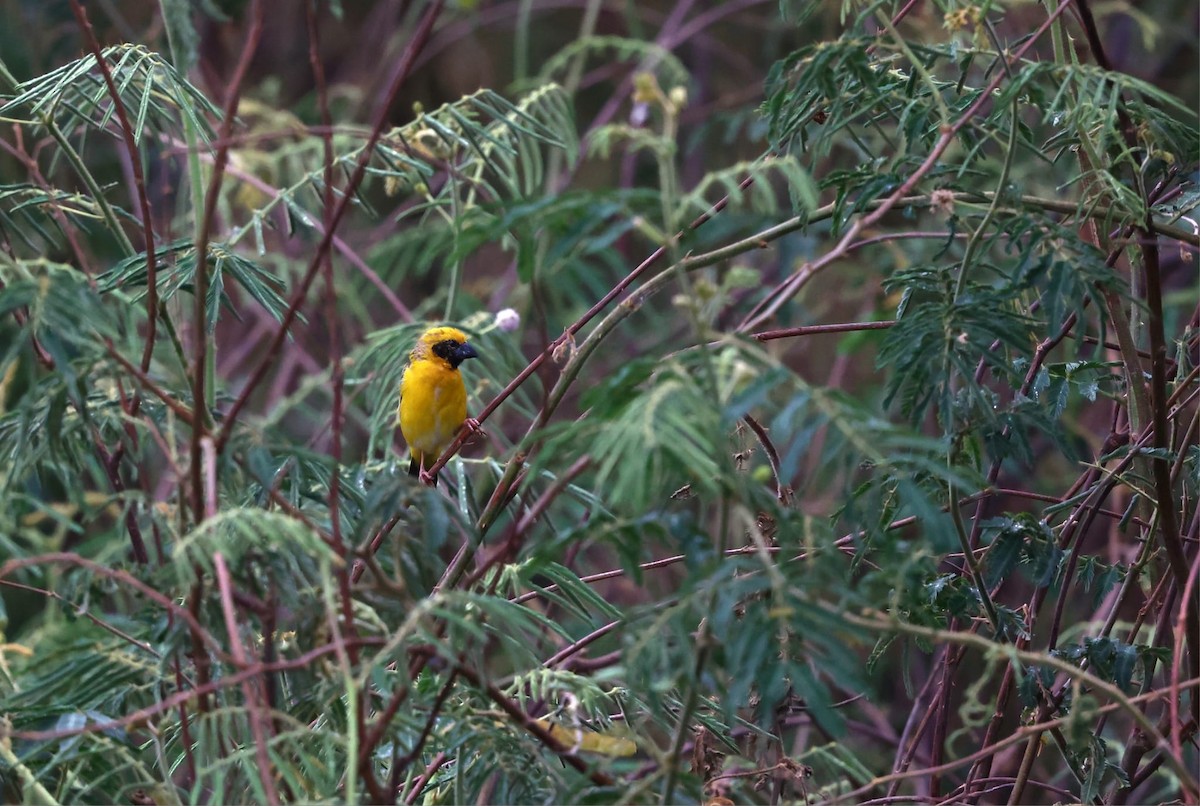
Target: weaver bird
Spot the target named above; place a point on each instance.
(433, 399)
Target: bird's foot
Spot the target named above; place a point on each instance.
(474, 428)
(427, 478)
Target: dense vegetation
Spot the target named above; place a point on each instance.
(844, 448)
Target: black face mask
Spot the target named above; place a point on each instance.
(454, 352)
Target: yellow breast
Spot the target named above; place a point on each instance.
(433, 405)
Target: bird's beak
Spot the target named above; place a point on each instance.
(463, 352)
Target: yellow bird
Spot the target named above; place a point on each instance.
(433, 399)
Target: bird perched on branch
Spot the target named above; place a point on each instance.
(433, 398)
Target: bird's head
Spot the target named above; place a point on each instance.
(446, 343)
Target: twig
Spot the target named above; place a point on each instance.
(251, 686)
(201, 363)
(1184, 636)
(80, 610)
(123, 577)
(810, 330)
(510, 546)
(431, 769)
(435, 710)
(1160, 464)
(783, 493)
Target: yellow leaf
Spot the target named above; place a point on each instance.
(589, 741)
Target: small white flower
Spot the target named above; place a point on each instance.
(508, 320)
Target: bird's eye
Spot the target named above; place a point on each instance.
(445, 349)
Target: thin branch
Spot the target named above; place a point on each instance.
(200, 364)
(1160, 464)
(251, 686)
(811, 330)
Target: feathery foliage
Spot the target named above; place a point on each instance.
(841, 437)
